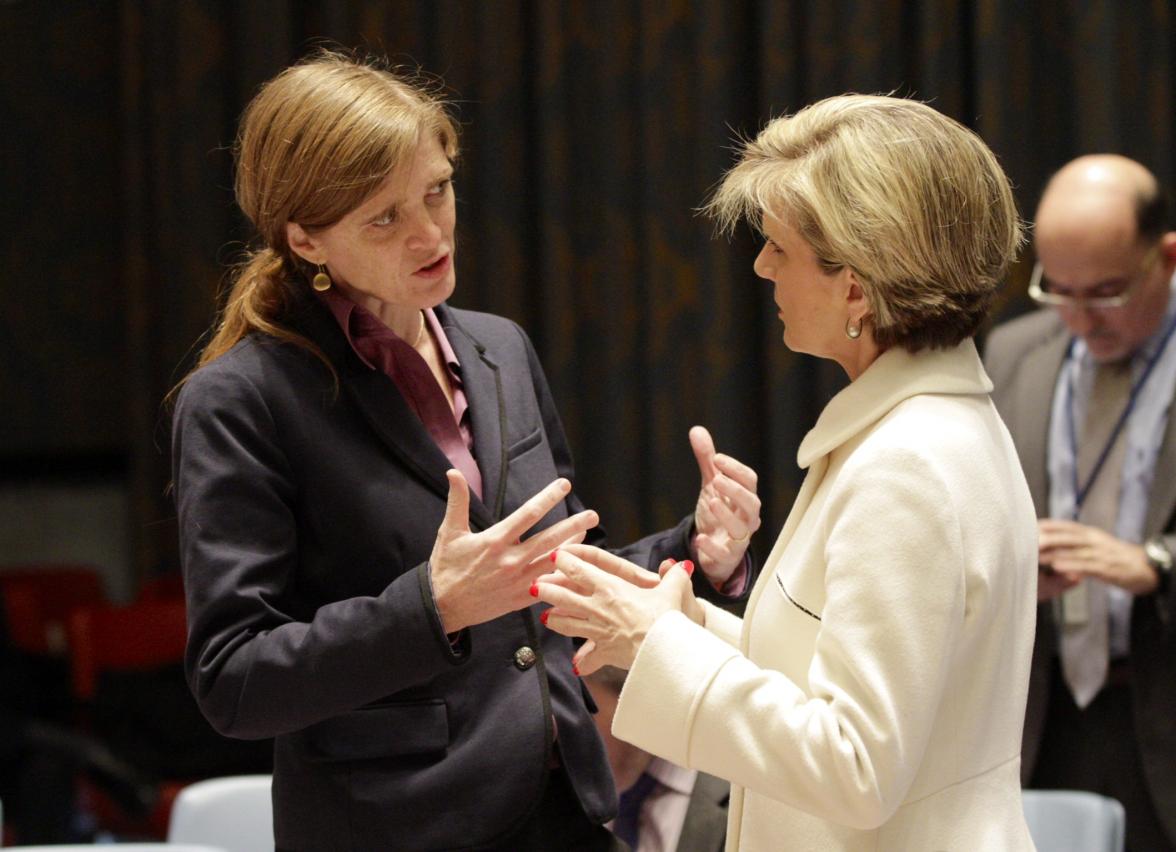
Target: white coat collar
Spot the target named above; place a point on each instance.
(895, 376)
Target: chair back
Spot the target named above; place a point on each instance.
(1074, 821)
(168, 586)
(37, 599)
(142, 636)
(120, 847)
(234, 813)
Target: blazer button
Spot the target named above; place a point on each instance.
(524, 658)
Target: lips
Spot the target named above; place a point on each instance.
(435, 268)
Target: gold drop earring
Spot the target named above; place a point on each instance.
(322, 281)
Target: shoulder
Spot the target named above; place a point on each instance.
(487, 330)
(499, 340)
(938, 442)
(258, 366)
(1011, 341)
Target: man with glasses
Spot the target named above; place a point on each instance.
(1085, 387)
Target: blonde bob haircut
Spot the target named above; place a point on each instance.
(314, 143)
(910, 200)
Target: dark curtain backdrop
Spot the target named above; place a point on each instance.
(592, 131)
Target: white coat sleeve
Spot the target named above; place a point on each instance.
(847, 748)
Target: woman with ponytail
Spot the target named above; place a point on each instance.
(369, 481)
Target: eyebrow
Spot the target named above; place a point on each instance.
(1090, 288)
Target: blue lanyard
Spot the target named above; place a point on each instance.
(1080, 493)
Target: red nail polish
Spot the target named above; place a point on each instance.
(553, 554)
(575, 669)
(543, 617)
(534, 590)
(689, 566)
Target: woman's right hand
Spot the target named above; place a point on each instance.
(479, 576)
(611, 603)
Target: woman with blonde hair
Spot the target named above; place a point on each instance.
(368, 481)
(872, 696)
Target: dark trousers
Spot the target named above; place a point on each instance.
(559, 824)
(1095, 749)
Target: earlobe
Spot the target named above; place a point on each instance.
(303, 244)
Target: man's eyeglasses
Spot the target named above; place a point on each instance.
(1040, 290)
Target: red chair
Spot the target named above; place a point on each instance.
(139, 640)
(37, 599)
(163, 587)
(127, 678)
(146, 635)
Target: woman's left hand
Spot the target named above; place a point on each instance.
(594, 595)
(728, 509)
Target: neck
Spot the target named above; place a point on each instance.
(407, 323)
(859, 355)
(409, 326)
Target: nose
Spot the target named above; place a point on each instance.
(1079, 319)
(763, 264)
(424, 231)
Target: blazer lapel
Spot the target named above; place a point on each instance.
(1033, 405)
(386, 411)
(1162, 498)
(482, 385)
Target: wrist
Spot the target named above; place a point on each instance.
(1159, 559)
(442, 604)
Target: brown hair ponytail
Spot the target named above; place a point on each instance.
(259, 298)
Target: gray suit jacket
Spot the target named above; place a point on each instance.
(307, 515)
(705, 827)
(1023, 358)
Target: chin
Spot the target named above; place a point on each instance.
(448, 286)
(440, 291)
(1109, 353)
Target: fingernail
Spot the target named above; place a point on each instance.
(689, 566)
(534, 590)
(543, 617)
(553, 554)
(575, 669)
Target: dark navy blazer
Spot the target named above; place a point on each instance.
(307, 514)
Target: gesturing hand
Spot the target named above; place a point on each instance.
(480, 576)
(612, 603)
(728, 510)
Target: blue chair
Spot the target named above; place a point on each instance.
(1074, 821)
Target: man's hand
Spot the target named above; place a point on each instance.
(1073, 551)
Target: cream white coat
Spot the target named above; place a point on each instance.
(874, 693)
